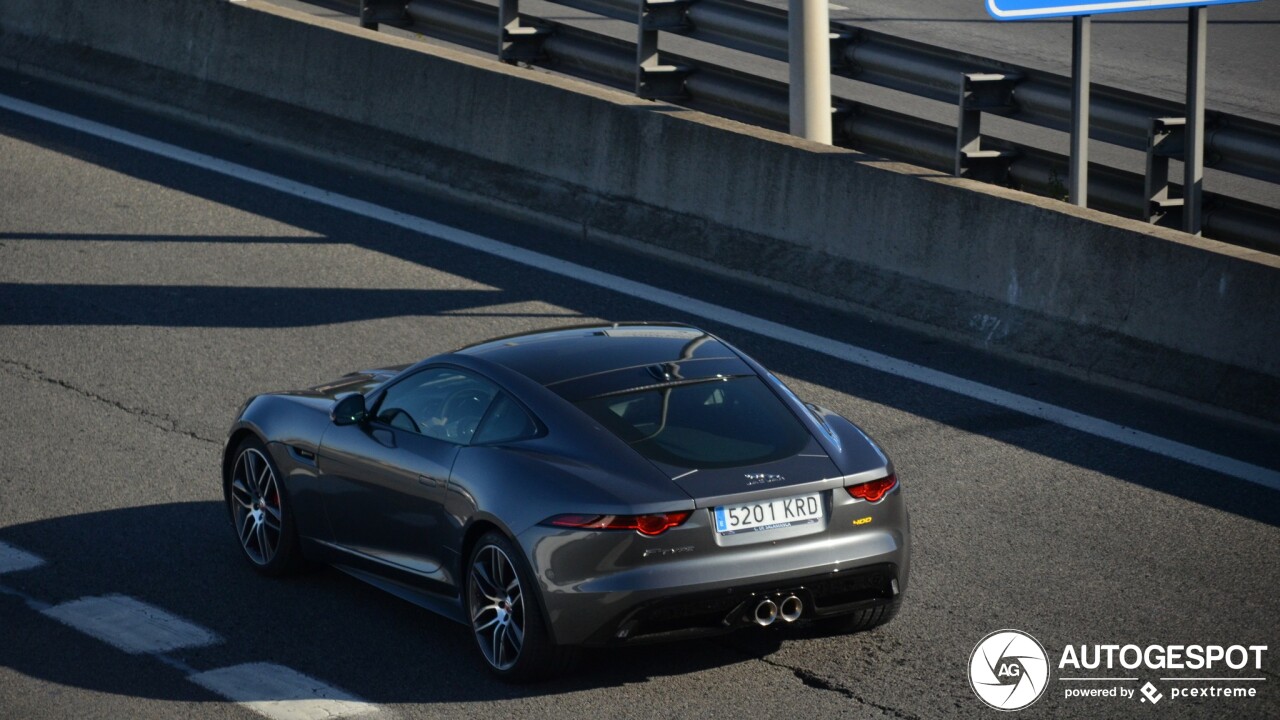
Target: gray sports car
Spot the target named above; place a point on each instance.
(580, 486)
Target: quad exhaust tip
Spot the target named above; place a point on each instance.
(766, 612)
(790, 609)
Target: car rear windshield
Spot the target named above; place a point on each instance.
(715, 424)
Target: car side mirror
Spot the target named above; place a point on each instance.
(350, 410)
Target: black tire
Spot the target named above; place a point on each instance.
(863, 620)
(261, 515)
(493, 610)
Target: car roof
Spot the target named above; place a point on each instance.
(557, 355)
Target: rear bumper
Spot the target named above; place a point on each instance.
(710, 594)
(720, 611)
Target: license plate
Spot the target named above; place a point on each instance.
(768, 514)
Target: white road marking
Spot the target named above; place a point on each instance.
(281, 693)
(135, 627)
(13, 559)
(131, 625)
(750, 323)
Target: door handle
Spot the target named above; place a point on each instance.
(430, 481)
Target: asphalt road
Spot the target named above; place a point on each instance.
(141, 300)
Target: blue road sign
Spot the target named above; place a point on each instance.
(1033, 9)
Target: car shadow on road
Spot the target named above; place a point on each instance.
(183, 559)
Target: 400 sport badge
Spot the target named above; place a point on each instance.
(1009, 670)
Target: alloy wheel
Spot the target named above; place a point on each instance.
(255, 505)
(497, 607)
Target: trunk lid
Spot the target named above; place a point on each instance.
(807, 471)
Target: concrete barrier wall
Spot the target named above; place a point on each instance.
(995, 267)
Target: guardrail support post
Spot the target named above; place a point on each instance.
(979, 93)
(810, 65)
(517, 42)
(1078, 193)
(384, 12)
(655, 81)
(1165, 140)
(1193, 158)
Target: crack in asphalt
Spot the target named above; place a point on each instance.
(812, 680)
(160, 422)
(819, 683)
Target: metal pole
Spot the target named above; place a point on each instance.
(1080, 32)
(1193, 154)
(810, 59)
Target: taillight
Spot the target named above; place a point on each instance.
(873, 491)
(653, 524)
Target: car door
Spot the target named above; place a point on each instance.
(386, 479)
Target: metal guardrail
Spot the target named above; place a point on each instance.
(975, 84)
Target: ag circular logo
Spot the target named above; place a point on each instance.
(1009, 670)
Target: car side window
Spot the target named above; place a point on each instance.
(506, 421)
(443, 403)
